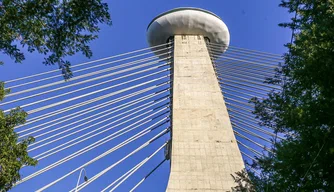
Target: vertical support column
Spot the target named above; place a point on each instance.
(204, 148)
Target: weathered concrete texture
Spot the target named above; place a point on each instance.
(204, 149)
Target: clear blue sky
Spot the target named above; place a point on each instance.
(252, 25)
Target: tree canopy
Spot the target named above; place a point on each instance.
(13, 155)
(56, 29)
(304, 107)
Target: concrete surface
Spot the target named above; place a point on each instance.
(204, 148)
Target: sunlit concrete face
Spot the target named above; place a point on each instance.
(204, 148)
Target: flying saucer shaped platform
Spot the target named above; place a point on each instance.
(188, 21)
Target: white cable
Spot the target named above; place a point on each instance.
(56, 112)
(242, 104)
(82, 76)
(265, 89)
(248, 80)
(248, 121)
(95, 85)
(119, 161)
(244, 68)
(252, 158)
(244, 123)
(125, 174)
(85, 138)
(237, 96)
(244, 116)
(240, 61)
(247, 104)
(240, 71)
(152, 68)
(132, 171)
(248, 139)
(84, 150)
(145, 160)
(226, 65)
(237, 75)
(86, 122)
(142, 180)
(129, 140)
(246, 61)
(81, 112)
(244, 71)
(237, 105)
(243, 88)
(57, 70)
(150, 88)
(117, 134)
(251, 133)
(87, 127)
(50, 114)
(250, 149)
(100, 90)
(81, 82)
(242, 54)
(248, 50)
(256, 128)
(241, 92)
(117, 108)
(100, 65)
(268, 62)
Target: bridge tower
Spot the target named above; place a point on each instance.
(204, 150)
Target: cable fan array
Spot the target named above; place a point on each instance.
(241, 74)
(112, 119)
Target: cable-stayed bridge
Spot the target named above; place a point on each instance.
(113, 121)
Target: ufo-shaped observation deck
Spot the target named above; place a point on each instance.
(188, 21)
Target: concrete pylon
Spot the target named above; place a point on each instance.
(204, 149)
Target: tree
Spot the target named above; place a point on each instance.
(304, 107)
(55, 28)
(243, 179)
(13, 155)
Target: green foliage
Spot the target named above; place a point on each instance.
(55, 28)
(305, 107)
(13, 155)
(3, 91)
(244, 182)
